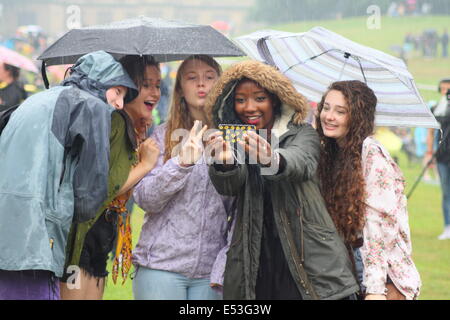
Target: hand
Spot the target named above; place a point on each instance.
(148, 153)
(142, 128)
(257, 148)
(375, 297)
(219, 149)
(427, 157)
(192, 149)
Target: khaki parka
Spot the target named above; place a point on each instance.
(316, 256)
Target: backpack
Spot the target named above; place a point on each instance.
(5, 115)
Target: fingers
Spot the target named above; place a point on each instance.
(199, 135)
(149, 145)
(194, 129)
(212, 137)
(256, 147)
(196, 132)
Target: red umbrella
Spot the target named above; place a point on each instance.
(221, 25)
(15, 59)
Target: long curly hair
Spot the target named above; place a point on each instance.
(179, 115)
(340, 168)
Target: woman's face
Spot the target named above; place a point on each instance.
(253, 105)
(140, 109)
(335, 115)
(4, 75)
(115, 96)
(197, 80)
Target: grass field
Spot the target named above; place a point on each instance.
(431, 256)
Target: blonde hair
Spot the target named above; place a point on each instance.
(179, 115)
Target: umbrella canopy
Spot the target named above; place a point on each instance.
(221, 25)
(15, 59)
(315, 59)
(166, 40)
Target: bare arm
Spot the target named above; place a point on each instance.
(148, 154)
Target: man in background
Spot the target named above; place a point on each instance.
(442, 114)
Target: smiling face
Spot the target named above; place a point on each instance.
(115, 96)
(335, 116)
(253, 105)
(196, 81)
(149, 93)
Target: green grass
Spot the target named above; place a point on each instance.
(431, 256)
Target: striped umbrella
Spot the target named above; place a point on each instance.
(315, 59)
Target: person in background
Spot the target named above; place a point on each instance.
(364, 191)
(12, 91)
(444, 43)
(442, 114)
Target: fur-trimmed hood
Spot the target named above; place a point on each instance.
(294, 106)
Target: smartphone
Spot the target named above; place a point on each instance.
(233, 133)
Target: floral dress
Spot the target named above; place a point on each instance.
(387, 249)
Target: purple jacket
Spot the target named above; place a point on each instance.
(185, 225)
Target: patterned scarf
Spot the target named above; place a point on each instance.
(123, 252)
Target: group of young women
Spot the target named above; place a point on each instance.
(300, 213)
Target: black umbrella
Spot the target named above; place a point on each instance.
(166, 40)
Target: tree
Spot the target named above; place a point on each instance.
(280, 11)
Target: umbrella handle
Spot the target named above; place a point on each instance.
(44, 75)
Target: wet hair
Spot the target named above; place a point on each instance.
(229, 114)
(135, 66)
(340, 168)
(13, 71)
(179, 116)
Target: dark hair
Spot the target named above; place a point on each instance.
(135, 66)
(13, 71)
(340, 169)
(229, 114)
(444, 80)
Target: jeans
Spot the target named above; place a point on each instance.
(151, 284)
(444, 175)
(359, 266)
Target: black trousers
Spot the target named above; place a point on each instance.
(274, 280)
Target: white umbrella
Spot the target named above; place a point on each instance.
(315, 59)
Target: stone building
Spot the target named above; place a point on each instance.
(58, 16)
